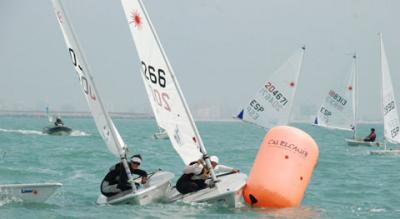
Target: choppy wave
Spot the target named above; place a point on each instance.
(23, 131)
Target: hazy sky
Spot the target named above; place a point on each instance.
(221, 50)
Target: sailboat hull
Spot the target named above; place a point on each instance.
(155, 190)
(36, 192)
(228, 191)
(161, 135)
(385, 152)
(57, 130)
(359, 142)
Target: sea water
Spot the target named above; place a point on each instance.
(347, 182)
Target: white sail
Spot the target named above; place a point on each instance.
(272, 105)
(338, 106)
(391, 122)
(166, 98)
(103, 122)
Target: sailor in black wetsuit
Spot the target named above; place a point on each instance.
(58, 122)
(116, 179)
(195, 175)
(193, 178)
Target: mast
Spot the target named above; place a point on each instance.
(382, 107)
(355, 95)
(79, 62)
(297, 80)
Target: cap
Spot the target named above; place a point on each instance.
(198, 169)
(136, 159)
(214, 159)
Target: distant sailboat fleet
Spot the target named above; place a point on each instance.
(340, 108)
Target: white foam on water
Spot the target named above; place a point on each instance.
(22, 131)
(6, 199)
(377, 210)
(77, 133)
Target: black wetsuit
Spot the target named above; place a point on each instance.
(59, 122)
(186, 184)
(117, 176)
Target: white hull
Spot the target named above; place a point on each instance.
(227, 191)
(161, 135)
(332, 127)
(385, 152)
(360, 142)
(36, 192)
(153, 191)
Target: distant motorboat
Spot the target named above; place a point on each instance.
(57, 130)
(58, 127)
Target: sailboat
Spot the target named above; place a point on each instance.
(159, 182)
(161, 134)
(172, 112)
(339, 108)
(33, 192)
(391, 123)
(336, 111)
(272, 104)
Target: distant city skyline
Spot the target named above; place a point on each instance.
(221, 50)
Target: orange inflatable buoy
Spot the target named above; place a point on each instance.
(282, 169)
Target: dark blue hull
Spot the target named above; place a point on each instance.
(57, 130)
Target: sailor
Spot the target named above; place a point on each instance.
(58, 122)
(193, 178)
(116, 180)
(219, 168)
(196, 173)
(371, 137)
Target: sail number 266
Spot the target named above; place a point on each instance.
(156, 77)
(161, 98)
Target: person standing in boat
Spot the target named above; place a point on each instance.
(116, 180)
(196, 173)
(371, 137)
(58, 122)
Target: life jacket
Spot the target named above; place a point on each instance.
(372, 136)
